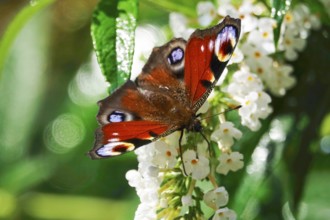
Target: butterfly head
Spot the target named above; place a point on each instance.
(195, 125)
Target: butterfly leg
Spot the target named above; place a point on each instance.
(180, 148)
(208, 143)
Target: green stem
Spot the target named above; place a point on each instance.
(191, 187)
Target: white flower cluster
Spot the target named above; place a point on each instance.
(228, 160)
(247, 89)
(165, 180)
(197, 164)
(257, 47)
(155, 160)
(146, 181)
(216, 199)
(156, 163)
(296, 27)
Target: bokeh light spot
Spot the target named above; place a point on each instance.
(64, 133)
(325, 144)
(89, 85)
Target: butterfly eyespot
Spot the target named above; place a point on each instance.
(225, 43)
(176, 56)
(118, 116)
(115, 149)
(122, 148)
(175, 60)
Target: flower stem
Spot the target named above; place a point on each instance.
(213, 181)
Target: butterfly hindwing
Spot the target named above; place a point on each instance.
(117, 138)
(207, 54)
(123, 126)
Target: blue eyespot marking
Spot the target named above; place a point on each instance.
(176, 56)
(117, 116)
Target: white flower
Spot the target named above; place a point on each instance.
(262, 102)
(254, 106)
(226, 8)
(257, 60)
(247, 89)
(242, 83)
(224, 214)
(280, 80)
(145, 212)
(146, 182)
(230, 161)
(165, 155)
(263, 35)
(296, 27)
(299, 21)
(216, 198)
(226, 134)
(153, 171)
(289, 19)
(236, 57)
(206, 13)
(254, 52)
(197, 166)
(291, 43)
(178, 25)
(304, 19)
(262, 67)
(186, 200)
(133, 177)
(244, 12)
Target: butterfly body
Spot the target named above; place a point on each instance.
(165, 97)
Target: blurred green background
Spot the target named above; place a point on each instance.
(49, 86)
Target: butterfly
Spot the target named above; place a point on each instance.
(165, 97)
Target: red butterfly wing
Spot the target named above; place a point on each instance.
(117, 138)
(207, 54)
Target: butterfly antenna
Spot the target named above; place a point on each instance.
(180, 148)
(208, 143)
(225, 111)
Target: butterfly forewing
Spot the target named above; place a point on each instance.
(207, 54)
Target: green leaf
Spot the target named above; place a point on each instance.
(279, 9)
(16, 26)
(113, 29)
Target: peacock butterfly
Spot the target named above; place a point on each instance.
(173, 84)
